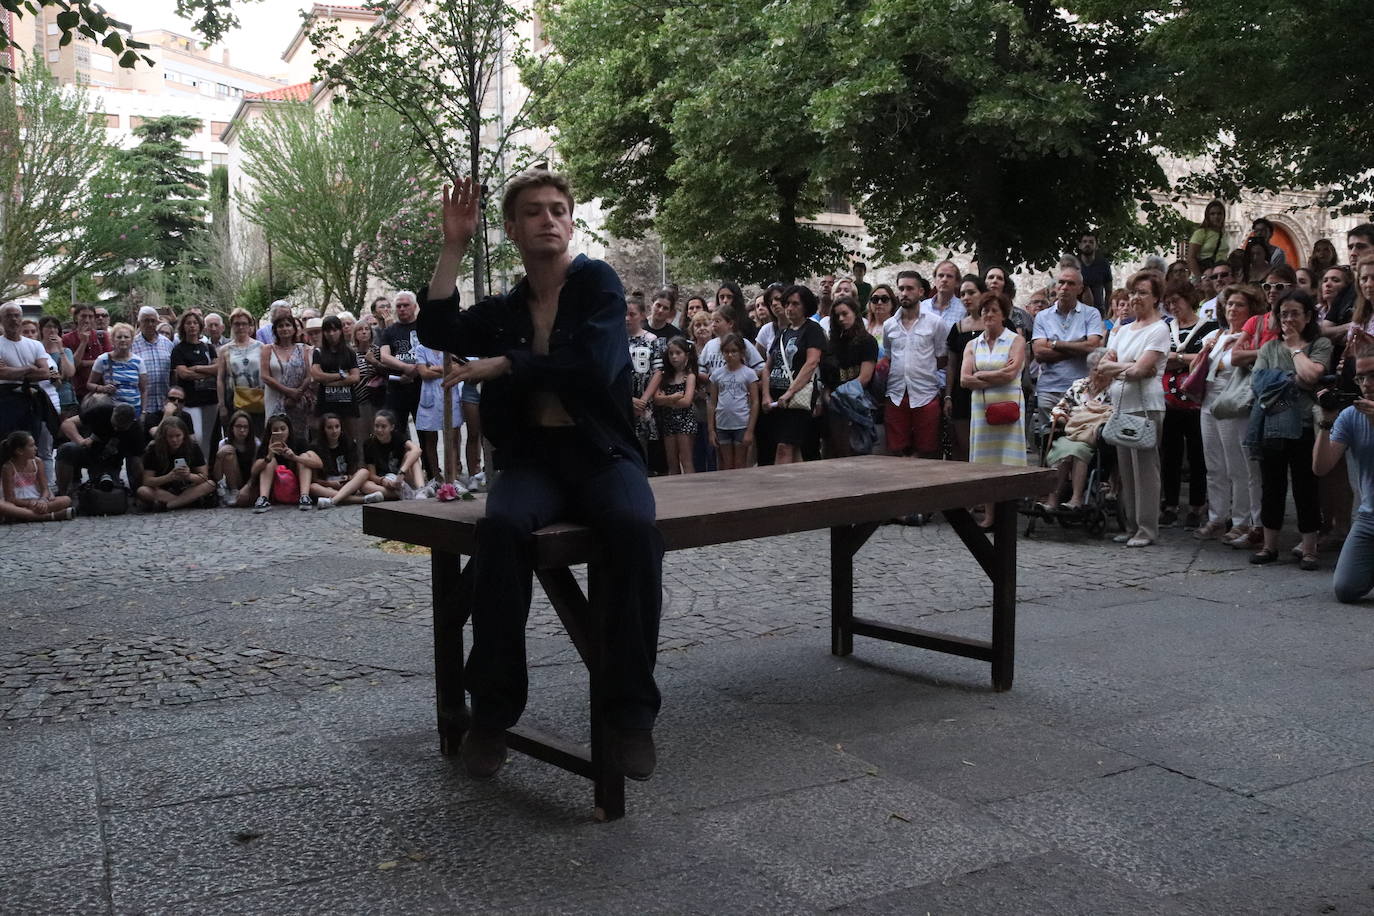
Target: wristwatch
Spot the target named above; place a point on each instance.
(1054, 343)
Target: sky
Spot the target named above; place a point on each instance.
(256, 45)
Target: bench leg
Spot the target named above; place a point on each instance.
(1003, 575)
(608, 781)
(451, 596)
(845, 541)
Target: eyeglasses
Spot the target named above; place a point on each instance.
(176, 400)
(879, 298)
(1271, 287)
(1222, 275)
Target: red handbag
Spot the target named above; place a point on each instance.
(1002, 413)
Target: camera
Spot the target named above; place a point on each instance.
(105, 482)
(1335, 399)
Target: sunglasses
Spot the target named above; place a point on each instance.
(175, 400)
(1271, 287)
(879, 298)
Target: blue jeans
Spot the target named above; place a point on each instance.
(559, 476)
(1354, 577)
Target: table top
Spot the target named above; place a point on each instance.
(695, 510)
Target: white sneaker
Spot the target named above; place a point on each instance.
(262, 505)
(464, 482)
(374, 497)
(324, 502)
(478, 482)
(432, 487)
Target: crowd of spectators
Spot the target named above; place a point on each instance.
(1228, 370)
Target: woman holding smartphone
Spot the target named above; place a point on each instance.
(174, 471)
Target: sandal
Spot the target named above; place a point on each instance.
(1261, 557)
(1308, 562)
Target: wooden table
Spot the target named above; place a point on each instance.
(850, 496)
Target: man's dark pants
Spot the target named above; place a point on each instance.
(559, 476)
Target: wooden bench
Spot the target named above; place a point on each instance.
(850, 496)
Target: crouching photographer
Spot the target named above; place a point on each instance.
(1349, 432)
(103, 438)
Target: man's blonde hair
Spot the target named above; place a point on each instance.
(534, 178)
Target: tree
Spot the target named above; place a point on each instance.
(325, 183)
(438, 66)
(690, 119)
(175, 192)
(68, 210)
(1269, 96)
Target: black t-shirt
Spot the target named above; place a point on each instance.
(848, 356)
(154, 461)
(200, 392)
(384, 457)
(400, 338)
(796, 342)
(338, 461)
(332, 361)
(667, 332)
(99, 425)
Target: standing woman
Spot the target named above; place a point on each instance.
(195, 369)
(121, 372)
(1301, 350)
(1208, 245)
(880, 305)
(1233, 480)
(1322, 258)
(1182, 432)
(1306, 281)
(1135, 360)
(1255, 261)
(239, 382)
(958, 401)
(793, 359)
(50, 336)
(1335, 302)
(765, 440)
(334, 366)
(854, 353)
(370, 392)
(725, 321)
(991, 370)
(286, 374)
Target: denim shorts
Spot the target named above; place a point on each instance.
(472, 394)
(730, 436)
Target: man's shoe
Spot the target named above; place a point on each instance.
(483, 752)
(635, 754)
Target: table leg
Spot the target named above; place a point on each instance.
(841, 590)
(451, 596)
(1003, 575)
(608, 781)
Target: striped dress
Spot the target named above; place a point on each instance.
(989, 444)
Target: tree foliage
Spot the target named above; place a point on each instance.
(1007, 127)
(68, 209)
(174, 186)
(325, 183)
(438, 66)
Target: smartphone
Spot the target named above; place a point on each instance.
(179, 463)
(279, 437)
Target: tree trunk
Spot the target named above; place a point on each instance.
(789, 190)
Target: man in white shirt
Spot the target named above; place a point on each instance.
(23, 364)
(914, 339)
(1220, 277)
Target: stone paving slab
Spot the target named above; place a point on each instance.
(1186, 735)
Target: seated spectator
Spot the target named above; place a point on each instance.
(1079, 416)
(341, 478)
(174, 470)
(284, 467)
(24, 483)
(121, 373)
(393, 463)
(102, 438)
(233, 471)
(173, 405)
(1352, 430)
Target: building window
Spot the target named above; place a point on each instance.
(112, 120)
(195, 154)
(218, 127)
(54, 56)
(219, 158)
(53, 29)
(837, 203)
(135, 121)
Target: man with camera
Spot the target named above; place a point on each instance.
(102, 438)
(1349, 431)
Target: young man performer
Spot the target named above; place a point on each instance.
(555, 367)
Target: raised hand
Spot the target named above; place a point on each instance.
(460, 212)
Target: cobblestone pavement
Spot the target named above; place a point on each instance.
(221, 712)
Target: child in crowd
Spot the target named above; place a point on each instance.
(734, 408)
(24, 484)
(341, 478)
(677, 423)
(393, 463)
(233, 471)
(174, 470)
(120, 372)
(284, 467)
